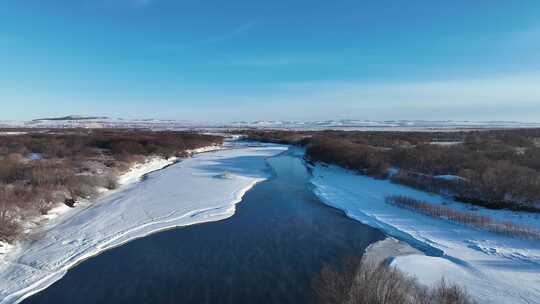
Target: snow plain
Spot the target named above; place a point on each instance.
(189, 192)
(493, 268)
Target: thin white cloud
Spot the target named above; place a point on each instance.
(507, 97)
(277, 61)
(505, 89)
(244, 28)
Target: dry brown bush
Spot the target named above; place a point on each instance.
(8, 204)
(359, 282)
(349, 155)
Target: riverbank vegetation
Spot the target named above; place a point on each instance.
(483, 222)
(359, 282)
(40, 168)
(498, 169)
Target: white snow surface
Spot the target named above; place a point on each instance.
(208, 148)
(186, 193)
(134, 174)
(77, 121)
(493, 268)
(150, 165)
(428, 269)
(5, 248)
(448, 177)
(156, 163)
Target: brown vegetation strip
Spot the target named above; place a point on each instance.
(468, 218)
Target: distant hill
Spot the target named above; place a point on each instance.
(78, 121)
(71, 117)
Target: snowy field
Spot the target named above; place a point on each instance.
(494, 268)
(200, 189)
(75, 121)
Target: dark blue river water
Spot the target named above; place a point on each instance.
(268, 252)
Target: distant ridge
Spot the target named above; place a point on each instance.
(71, 117)
(76, 121)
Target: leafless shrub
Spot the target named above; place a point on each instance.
(44, 200)
(109, 181)
(359, 282)
(8, 203)
(468, 218)
(446, 293)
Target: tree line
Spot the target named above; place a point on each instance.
(492, 168)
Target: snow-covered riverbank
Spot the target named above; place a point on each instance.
(494, 268)
(132, 175)
(157, 163)
(60, 211)
(203, 188)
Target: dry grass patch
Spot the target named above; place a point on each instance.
(468, 218)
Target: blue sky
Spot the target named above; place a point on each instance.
(247, 60)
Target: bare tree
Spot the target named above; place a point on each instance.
(360, 282)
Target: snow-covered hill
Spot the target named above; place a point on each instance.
(77, 121)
